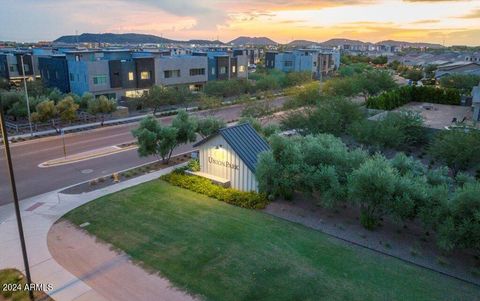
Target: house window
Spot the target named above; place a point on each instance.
(130, 76)
(145, 75)
(197, 71)
(223, 70)
(26, 67)
(288, 63)
(72, 77)
(99, 79)
(56, 75)
(134, 93)
(171, 73)
(234, 69)
(241, 68)
(213, 70)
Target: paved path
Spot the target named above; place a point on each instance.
(39, 214)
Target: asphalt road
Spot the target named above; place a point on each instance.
(32, 180)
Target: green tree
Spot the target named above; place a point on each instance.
(278, 171)
(85, 99)
(209, 125)
(457, 148)
(373, 82)
(65, 110)
(380, 60)
(158, 96)
(186, 127)
(373, 186)
(332, 115)
(395, 130)
(35, 88)
(102, 106)
(154, 139)
(414, 74)
(183, 95)
(461, 228)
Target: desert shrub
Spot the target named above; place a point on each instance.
(305, 95)
(193, 165)
(204, 186)
(457, 148)
(461, 228)
(407, 165)
(395, 130)
(227, 88)
(332, 115)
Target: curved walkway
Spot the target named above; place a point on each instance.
(39, 213)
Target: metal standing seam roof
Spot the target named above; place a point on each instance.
(244, 141)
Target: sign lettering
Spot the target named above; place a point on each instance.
(223, 163)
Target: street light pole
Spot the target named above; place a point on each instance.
(15, 200)
(26, 95)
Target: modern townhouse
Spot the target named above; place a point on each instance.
(121, 73)
(11, 65)
(54, 72)
(316, 61)
(224, 65)
(181, 70)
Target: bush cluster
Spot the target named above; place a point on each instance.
(403, 95)
(258, 82)
(396, 130)
(402, 188)
(251, 200)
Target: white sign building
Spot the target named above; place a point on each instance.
(229, 157)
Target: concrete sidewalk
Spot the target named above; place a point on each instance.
(39, 213)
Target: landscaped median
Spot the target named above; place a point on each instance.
(223, 252)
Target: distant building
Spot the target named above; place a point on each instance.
(270, 59)
(317, 62)
(224, 65)
(476, 102)
(230, 156)
(54, 72)
(458, 68)
(11, 65)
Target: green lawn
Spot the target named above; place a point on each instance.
(222, 252)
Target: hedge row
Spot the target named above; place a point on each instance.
(251, 200)
(403, 95)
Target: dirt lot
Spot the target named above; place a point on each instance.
(439, 116)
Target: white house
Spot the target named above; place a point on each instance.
(229, 157)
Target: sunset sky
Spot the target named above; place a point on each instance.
(440, 21)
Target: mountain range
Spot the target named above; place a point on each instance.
(125, 38)
(336, 42)
(136, 38)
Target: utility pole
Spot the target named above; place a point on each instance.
(26, 95)
(15, 201)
